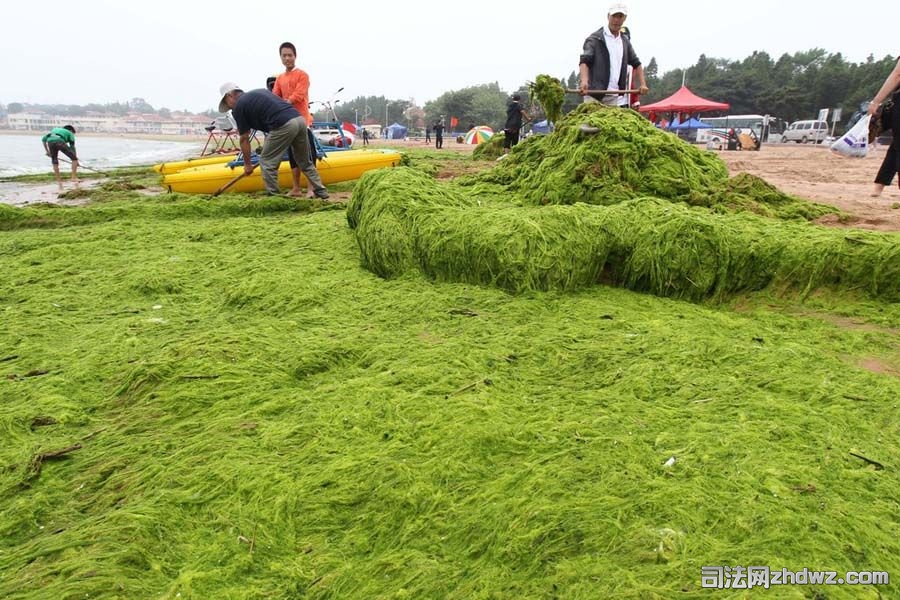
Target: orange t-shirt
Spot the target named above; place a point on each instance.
(293, 86)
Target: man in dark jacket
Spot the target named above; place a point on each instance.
(261, 110)
(605, 59)
(438, 134)
(514, 115)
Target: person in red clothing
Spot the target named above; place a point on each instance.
(293, 86)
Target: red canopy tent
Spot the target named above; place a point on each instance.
(684, 101)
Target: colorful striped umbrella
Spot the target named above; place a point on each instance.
(479, 134)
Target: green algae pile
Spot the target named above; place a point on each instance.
(406, 221)
(601, 155)
(491, 149)
(212, 399)
(609, 199)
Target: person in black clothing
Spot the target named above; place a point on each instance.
(514, 115)
(891, 163)
(734, 143)
(438, 134)
(264, 111)
(365, 137)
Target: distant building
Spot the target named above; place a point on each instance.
(147, 124)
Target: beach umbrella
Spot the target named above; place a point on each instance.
(479, 134)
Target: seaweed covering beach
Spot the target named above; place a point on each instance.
(243, 397)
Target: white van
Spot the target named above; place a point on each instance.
(805, 131)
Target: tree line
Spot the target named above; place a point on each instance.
(795, 86)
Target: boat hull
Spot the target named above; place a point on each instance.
(200, 161)
(335, 167)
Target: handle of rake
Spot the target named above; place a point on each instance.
(603, 92)
(229, 184)
(81, 166)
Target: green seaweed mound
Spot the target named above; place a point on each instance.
(491, 149)
(609, 199)
(406, 221)
(603, 155)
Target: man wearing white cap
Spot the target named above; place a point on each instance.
(264, 111)
(605, 59)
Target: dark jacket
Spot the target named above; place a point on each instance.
(513, 116)
(596, 56)
(263, 111)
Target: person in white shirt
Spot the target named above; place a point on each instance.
(605, 59)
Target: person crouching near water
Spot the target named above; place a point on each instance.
(61, 139)
(264, 111)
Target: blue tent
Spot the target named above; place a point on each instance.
(396, 131)
(691, 123)
(542, 127)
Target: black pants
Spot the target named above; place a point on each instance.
(438, 141)
(890, 166)
(313, 155)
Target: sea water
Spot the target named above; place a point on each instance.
(24, 154)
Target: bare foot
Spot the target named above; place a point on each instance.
(295, 193)
(877, 190)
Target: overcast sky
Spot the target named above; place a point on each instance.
(176, 54)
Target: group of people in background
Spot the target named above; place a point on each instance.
(282, 110)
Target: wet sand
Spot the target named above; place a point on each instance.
(24, 194)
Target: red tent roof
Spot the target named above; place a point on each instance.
(684, 100)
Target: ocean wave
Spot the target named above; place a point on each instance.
(24, 155)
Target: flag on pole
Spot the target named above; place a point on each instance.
(453, 122)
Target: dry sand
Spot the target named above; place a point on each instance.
(806, 171)
(817, 174)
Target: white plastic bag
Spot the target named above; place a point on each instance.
(856, 141)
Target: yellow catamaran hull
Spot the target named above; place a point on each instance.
(336, 167)
(199, 161)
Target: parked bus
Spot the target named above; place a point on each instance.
(718, 133)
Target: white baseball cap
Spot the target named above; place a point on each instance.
(618, 8)
(224, 90)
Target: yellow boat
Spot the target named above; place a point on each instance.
(198, 161)
(345, 165)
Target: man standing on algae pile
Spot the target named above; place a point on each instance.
(605, 59)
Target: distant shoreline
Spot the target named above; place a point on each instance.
(127, 136)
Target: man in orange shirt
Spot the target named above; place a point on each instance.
(293, 86)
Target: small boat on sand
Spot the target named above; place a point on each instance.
(333, 167)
